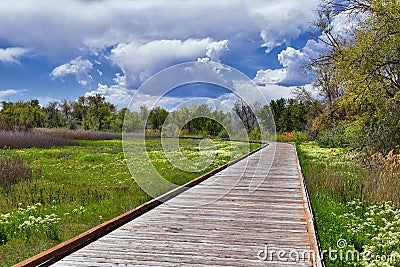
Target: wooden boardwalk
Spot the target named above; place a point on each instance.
(250, 214)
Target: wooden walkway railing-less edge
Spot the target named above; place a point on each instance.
(311, 225)
(69, 246)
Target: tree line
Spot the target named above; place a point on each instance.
(95, 113)
(88, 113)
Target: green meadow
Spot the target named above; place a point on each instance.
(74, 188)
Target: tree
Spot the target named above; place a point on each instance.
(132, 120)
(363, 72)
(157, 117)
(22, 115)
(100, 114)
(246, 115)
(53, 115)
(289, 114)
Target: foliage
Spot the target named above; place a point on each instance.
(21, 115)
(255, 135)
(359, 75)
(292, 137)
(88, 112)
(289, 115)
(335, 136)
(157, 117)
(94, 113)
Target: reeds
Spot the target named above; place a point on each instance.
(26, 139)
(77, 134)
(375, 179)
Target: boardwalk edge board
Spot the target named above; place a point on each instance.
(58, 252)
(311, 223)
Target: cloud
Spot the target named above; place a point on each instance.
(78, 67)
(44, 27)
(9, 92)
(45, 100)
(11, 54)
(117, 93)
(293, 71)
(273, 91)
(284, 21)
(141, 61)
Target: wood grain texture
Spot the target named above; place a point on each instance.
(226, 220)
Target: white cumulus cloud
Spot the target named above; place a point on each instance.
(141, 61)
(11, 54)
(9, 92)
(292, 73)
(78, 67)
(117, 93)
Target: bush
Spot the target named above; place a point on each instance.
(223, 134)
(255, 135)
(293, 136)
(13, 170)
(335, 136)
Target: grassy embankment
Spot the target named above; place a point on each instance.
(70, 189)
(354, 201)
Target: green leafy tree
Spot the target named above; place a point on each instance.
(157, 117)
(53, 115)
(363, 72)
(23, 115)
(100, 114)
(289, 114)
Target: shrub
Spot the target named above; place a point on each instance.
(335, 136)
(255, 135)
(13, 170)
(293, 136)
(223, 134)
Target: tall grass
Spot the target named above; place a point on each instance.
(341, 174)
(78, 134)
(13, 169)
(17, 139)
(354, 198)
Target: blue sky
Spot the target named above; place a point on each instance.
(54, 50)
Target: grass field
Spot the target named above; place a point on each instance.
(79, 187)
(355, 203)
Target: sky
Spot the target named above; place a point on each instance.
(55, 50)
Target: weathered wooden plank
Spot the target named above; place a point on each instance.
(222, 221)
